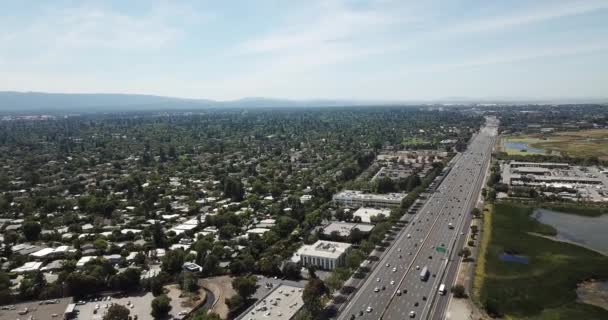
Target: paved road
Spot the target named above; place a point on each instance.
(395, 289)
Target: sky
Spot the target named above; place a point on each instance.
(310, 49)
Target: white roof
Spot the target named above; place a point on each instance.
(366, 213)
(281, 304)
(361, 196)
(125, 231)
(325, 249)
(345, 228)
(258, 230)
(28, 267)
(84, 260)
(42, 253)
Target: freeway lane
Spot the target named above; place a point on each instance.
(440, 305)
(394, 289)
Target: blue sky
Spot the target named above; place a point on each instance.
(376, 50)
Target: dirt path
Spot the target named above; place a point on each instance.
(221, 287)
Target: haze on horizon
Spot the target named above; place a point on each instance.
(369, 50)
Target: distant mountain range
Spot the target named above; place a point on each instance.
(11, 101)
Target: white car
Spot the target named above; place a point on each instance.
(417, 267)
(377, 279)
(394, 269)
(412, 314)
(409, 235)
(376, 289)
(369, 309)
(388, 265)
(392, 282)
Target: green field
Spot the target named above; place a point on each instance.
(584, 143)
(544, 288)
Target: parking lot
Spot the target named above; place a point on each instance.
(36, 310)
(138, 304)
(266, 284)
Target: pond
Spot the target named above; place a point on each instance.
(513, 258)
(520, 146)
(587, 231)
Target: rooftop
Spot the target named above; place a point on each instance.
(361, 196)
(325, 249)
(345, 228)
(282, 303)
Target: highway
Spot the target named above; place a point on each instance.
(394, 289)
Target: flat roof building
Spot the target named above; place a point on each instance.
(282, 303)
(28, 267)
(323, 254)
(344, 229)
(549, 165)
(366, 214)
(353, 198)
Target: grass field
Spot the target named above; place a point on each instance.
(480, 269)
(584, 143)
(415, 141)
(544, 288)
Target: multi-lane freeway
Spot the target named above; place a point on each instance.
(395, 289)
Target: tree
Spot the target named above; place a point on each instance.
(474, 229)
(292, 271)
(245, 286)
(117, 312)
(204, 315)
(158, 236)
(314, 289)
(356, 236)
(233, 189)
(384, 185)
(235, 304)
(458, 291)
(173, 261)
(465, 253)
(475, 212)
(211, 264)
(334, 282)
(354, 258)
(127, 280)
(161, 306)
(189, 282)
(31, 230)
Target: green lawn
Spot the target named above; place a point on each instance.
(545, 288)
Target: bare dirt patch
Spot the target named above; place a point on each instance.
(221, 287)
(593, 292)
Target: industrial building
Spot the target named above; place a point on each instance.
(355, 199)
(282, 303)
